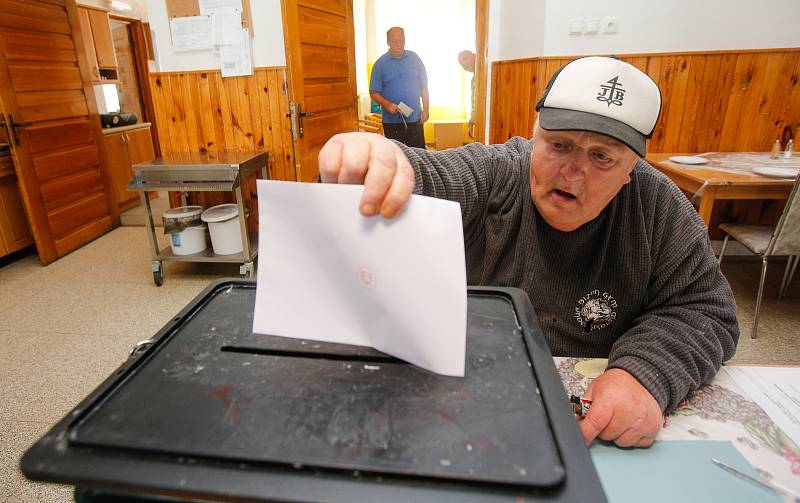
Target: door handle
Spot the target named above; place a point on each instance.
(14, 127)
(300, 115)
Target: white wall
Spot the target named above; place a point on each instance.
(267, 43)
(516, 28)
(541, 27)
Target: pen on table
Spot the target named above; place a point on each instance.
(781, 491)
(580, 405)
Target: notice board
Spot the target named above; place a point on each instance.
(184, 8)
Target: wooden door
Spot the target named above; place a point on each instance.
(320, 55)
(58, 152)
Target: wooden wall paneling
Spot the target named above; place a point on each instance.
(752, 114)
(255, 113)
(780, 94)
(202, 111)
(674, 115)
(205, 116)
(265, 123)
(715, 101)
(215, 105)
(245, 117)
(742, 73)
(283, 155)
(225, 111)
(192, 110)
(693, 99)
(792, 114)
(707, 109)
(159, 113)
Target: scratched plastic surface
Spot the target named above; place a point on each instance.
(214, 389)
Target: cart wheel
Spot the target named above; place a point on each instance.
(158, 273)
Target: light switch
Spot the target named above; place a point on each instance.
(609, 25)
(575, 26)
(592, 26)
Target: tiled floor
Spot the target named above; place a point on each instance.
(65, 327)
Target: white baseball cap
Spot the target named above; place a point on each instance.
(602, 95)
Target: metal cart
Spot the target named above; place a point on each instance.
(195, 171)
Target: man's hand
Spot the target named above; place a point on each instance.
(423, 116)
(622, 411)
(392, 107)
(471, 128)
(371, 159)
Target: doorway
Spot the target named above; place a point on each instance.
(437, 32)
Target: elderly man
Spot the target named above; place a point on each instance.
(467, 61)
(399, 77)
(614, 258)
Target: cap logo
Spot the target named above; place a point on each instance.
(612, 94)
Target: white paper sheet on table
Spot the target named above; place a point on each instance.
(774, 389)
(327, 273)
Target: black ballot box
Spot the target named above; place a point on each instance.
(212, 411)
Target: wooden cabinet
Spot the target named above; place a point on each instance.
(125, 149)
(14, 231)
(98, 44)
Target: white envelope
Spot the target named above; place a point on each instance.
(327, 273)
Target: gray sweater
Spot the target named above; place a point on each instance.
(639, 284)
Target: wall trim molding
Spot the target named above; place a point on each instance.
(649, 54)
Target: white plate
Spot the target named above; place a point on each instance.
(777, 172)
(688, 159)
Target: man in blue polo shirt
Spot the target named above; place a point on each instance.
(399, 77)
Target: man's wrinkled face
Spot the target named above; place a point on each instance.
(575, 174)
(397, 42)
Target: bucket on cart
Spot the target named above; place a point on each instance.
(224, 227)
(186, 229)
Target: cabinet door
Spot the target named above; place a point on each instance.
(88, 43)
(119, 167)
(14, 231)
(140, 146)
(101, 34)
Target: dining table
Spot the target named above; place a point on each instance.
(711, 176)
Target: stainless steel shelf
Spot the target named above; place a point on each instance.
(196, 171)
(208, 254)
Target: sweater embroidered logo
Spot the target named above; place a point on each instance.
(595, 310)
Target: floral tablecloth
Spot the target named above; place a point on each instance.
(718, 411)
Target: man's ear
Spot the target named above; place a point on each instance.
(630, 170)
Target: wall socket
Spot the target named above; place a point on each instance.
(610, 25)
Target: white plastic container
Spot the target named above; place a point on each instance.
(192, 239)
(224, 227)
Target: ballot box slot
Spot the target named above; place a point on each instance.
(306, 355)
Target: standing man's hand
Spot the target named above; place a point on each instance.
(392, 108)
(622, 411)
(375, 161)
(423, 116)
(471, 128)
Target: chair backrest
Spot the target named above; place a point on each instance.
(786, 238)
(371, 123)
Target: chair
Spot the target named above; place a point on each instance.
(767, 241)
(371, 123)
